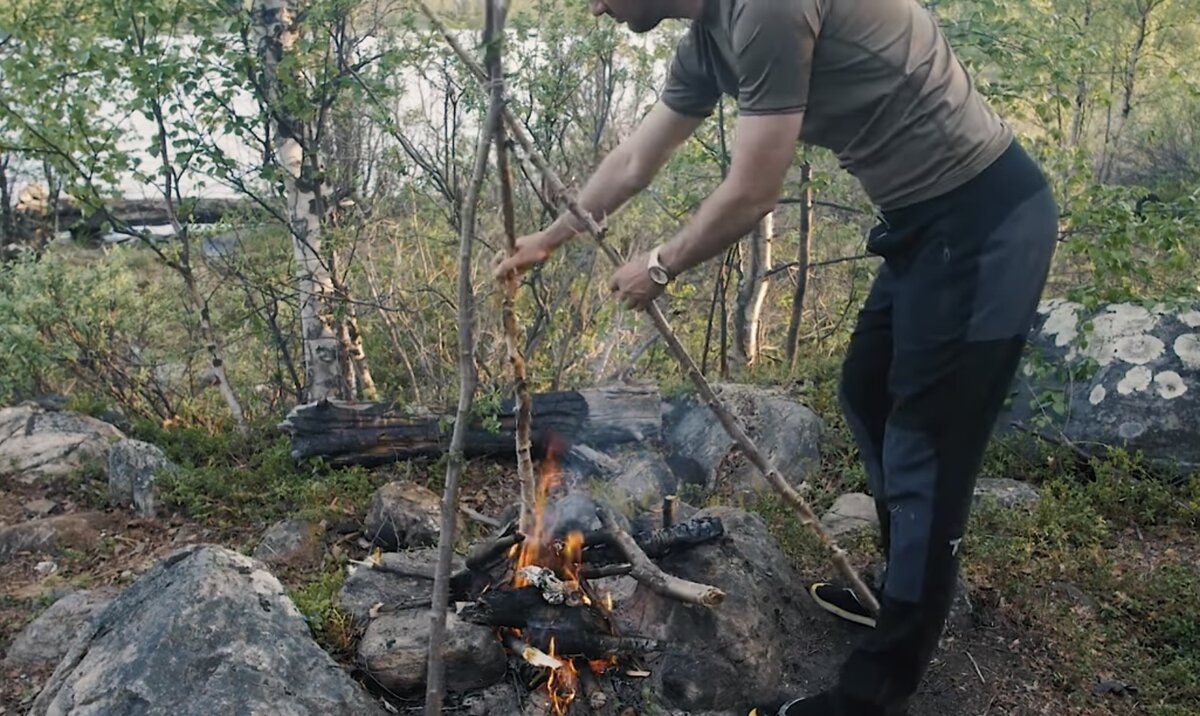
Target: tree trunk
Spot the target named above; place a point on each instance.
(1128, 80)
(752, 290)
(803, 262)
(277, 25)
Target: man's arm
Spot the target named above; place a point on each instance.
(628, 169)
(763, 149)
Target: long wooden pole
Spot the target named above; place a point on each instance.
(492, 57)
(726, 418)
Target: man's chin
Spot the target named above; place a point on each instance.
(642, 26)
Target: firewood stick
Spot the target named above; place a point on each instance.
(726, 418)
(648, 573)
(668, 511)
(604, 570)
(489, 552)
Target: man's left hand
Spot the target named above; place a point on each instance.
(632, 284)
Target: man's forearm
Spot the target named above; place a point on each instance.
(723, 218)
(614, 182)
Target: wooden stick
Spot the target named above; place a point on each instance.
(648, 573)
(524, 441)
(466, 392)
(726, 418)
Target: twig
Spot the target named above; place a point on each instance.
(480, 517)
(976, 665)
(668, 511)
(466, 392)
(648, 573)
(727, 419)
(604, 570)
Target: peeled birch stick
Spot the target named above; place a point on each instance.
(648, 573)
(726, 418)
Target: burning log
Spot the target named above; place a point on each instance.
(351, 432)
(600, 546)
(648, 573)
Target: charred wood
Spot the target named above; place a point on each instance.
(600, 546)
(351, 432)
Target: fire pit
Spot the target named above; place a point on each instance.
(536, 591)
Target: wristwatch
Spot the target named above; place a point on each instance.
(658, 273)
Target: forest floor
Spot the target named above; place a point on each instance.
(1086, 603)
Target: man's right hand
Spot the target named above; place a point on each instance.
(531, 249)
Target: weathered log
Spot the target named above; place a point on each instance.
(648, 573)
(154, 212)
(350, 432)
(602, 547)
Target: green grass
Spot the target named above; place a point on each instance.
(317, 601)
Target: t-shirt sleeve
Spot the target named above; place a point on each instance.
(772, 42)
(690, 88)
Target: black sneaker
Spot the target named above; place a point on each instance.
(841, 602)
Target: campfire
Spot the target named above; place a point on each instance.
(536, 591)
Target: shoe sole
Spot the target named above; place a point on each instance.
(838, 611)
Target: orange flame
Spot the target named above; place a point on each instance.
(531, 546)
(562, 684)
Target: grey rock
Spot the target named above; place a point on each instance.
(132, 468)
(747, 643)
(205, 631)
(702, 454)
(294, 543)
(49, 535)
(1005, 491)
(36, 443)
(849, 513)
(40, 507)
(47, 639)
(500, 698)
(395, 647)
(404, 514)
(1132, 381)
(365, 587)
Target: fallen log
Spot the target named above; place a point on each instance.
(364, 433)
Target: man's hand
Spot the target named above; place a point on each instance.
(531, 250)
(632, 284)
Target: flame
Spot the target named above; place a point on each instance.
(563, 684)
(608, 601)
(531, 546)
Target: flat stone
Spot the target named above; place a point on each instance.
(293, 543)
(404, 514)
(395, 647)
(49, 535)
(1005, 491)
(40, 507)
(366, 587)
(849, 513)
(205, 631)
(48, 638)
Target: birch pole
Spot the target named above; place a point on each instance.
(435, 679)
(727, 419)
(495, 15)
(278, 27)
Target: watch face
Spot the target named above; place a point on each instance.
(659, 276)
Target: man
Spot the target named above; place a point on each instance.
(967, 228)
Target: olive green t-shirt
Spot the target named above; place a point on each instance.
(877, 80)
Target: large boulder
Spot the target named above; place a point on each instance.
(133, 466)
(37, 443)
(48, 638)
(701, 453)
(747, 642)
(1127, 376)
(404, 514)
(205, 631)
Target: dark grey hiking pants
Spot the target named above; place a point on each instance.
(930, 363)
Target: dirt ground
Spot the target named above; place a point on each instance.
(988, 665)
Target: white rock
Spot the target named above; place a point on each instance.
(850, 512)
